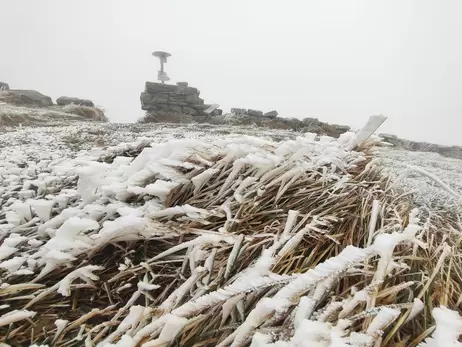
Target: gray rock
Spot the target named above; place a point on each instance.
(188, 91)
(146, 98)
(4, 86)
(159, 99)
(178, 103)
(176, 97)
(151, 101)
(152, 87)
(311, 121)
(271, 114)
(175, 108)
(190, 110)
(194, 99)
(65, 100)
(254, 113)
(20, 97)
(181, 87)
(239, 111)
(342, 128)
(199, 107)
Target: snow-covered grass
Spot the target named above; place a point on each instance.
(130, 235)
(11, 115)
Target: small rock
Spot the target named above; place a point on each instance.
(239, 111)
(181, 87)
(65, 100)
(271, 114)
(254, 113)
(342, 128)
(189, 110)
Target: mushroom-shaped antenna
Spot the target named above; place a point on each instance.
(162, 75)
(162, 55)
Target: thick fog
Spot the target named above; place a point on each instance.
(339, 61)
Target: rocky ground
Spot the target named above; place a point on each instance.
(20, 107)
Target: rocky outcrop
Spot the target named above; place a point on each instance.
(166, 103)
(447, 151)
(28, 107)
(65, 100)
(4, 86)
(274, 122)
(28, 98)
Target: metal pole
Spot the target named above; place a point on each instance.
(162, 68)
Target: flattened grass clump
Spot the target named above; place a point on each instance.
(194, 253)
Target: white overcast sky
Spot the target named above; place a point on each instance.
(339, 60)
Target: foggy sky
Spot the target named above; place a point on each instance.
(339, 61)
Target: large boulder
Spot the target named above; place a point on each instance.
(271, 114)
(20, 97)
(4, 86)
(65, 100)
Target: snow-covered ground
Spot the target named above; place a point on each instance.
(434, 180)
(35, 150)
(49, 176)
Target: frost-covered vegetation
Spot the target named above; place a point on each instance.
(11, 115)
(434, 181)
(141, 235)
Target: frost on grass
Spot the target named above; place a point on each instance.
(219, 241)
(433, 179)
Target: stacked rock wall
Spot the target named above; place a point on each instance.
(166, 99)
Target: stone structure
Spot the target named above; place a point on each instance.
(4, 86)
(164, 100)
(181, 103)
(65, 100)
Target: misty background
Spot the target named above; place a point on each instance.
(339, 61)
